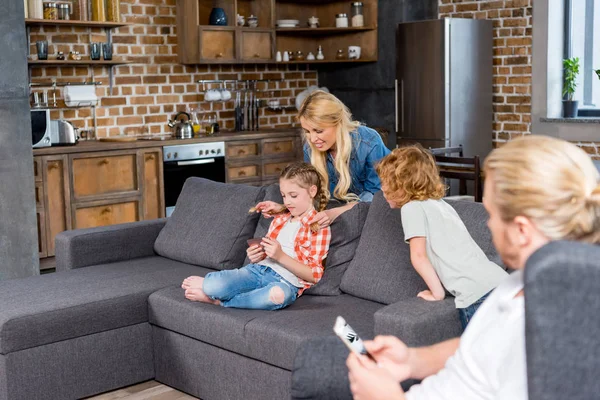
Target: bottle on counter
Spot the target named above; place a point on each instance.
(98, 10)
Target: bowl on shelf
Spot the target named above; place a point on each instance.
(288, 23)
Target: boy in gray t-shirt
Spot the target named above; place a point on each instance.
(441, 249)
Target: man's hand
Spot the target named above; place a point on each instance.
(427, 295)
(369, 382)
(255, 253)
(272, 248)
(392, 355)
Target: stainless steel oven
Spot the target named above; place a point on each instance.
(203, 160)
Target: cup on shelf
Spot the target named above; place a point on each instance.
(42, 49)
(213, 95)
(313, 22)
(252, 21)
(94, 51)
(225, 94)
(107, 51)
(353, 52)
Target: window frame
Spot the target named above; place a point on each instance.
(568, 53)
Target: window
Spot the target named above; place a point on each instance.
(582, 39)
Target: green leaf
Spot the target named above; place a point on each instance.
(598, 73)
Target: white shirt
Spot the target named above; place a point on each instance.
(490, 360)
(287, 238)
(463, 268)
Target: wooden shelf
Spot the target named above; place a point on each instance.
(329, 61)
(91, 24)
(75, 63)
(320, 31)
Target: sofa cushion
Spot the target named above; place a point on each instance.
(345, 236)
(268, 336)
(475, 217)
(381, 270)
(210, 224)
(49, 308)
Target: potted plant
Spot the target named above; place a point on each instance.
(571, 70)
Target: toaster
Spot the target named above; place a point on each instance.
(62, 133)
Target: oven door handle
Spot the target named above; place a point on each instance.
(196, 162)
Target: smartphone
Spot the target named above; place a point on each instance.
(350, 337)
(254, 242)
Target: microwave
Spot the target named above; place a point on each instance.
(40, 128)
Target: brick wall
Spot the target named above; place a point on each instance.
(512, 62)
(148, 92)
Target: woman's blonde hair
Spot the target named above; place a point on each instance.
(324, 110)
(306, 175)
(551, 182)
(410, 173)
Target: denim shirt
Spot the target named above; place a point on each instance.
(367, 150)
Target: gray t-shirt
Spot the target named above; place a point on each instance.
(463, 268)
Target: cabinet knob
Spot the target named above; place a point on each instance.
(150, 157)
(219, 55)
(53, 165)
(277, 148)
(103, 162)
(242, 173)
(278, 169)
(241, 152)
(106, 210)
(256, 55)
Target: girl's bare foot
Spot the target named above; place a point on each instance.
(197, 294)
(192, 282)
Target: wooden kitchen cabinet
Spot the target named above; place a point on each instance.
(201, 43)
(89, 189)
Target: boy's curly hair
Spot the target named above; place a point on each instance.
(410, 173)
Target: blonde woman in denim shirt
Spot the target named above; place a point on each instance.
(343, 151)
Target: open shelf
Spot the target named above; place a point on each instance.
(91, 24)
(320, 31)
(74, 63)
(361, 60)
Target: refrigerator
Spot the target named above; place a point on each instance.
(444, 84)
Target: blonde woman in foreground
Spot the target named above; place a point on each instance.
(538, 189)
(343, 152)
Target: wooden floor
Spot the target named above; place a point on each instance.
(150, 390)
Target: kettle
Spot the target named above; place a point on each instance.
(183, 129)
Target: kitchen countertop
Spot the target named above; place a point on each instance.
(85, 146)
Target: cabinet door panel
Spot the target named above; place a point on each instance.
(101, 175)
(217, 45)
(57, 199)
(107, 214)
(152, 184)
(256, 45)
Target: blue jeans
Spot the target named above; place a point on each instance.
(466, 314)
(251, 287)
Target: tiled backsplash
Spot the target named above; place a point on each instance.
(155, 87)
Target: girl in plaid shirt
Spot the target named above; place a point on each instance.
(288, 260)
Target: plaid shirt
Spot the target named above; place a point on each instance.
(310, 248)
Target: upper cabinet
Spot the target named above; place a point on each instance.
(199, 42)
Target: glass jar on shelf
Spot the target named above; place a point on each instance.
(50, 11)
(357, 14)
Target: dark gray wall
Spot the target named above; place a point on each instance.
(368, 89)
(18, 228)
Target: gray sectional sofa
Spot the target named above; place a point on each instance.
(113, 314)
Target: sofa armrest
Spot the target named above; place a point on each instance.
(418, 322)
(84, 247)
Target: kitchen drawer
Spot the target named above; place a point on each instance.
(39, 195)
(106, 214)
(273, 169)
(37, 168)
(243, 172)
(241, 150)
(217, 44)
(103, 175)
(279, 147)
(257, 46)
